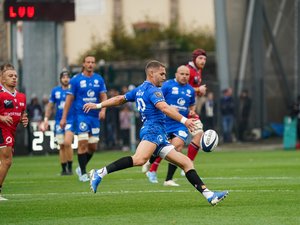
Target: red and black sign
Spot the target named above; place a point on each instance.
(31, 10)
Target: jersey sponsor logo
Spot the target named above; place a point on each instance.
(181, 101)
(83, 126)
(95, 130)
(182, 133)
(8, 104)
(61, 105)
(160, 139)
(90, 93)
(90, 99)
(22, 103)
(57, 95)
(158, 94)
(82, 83)
(180, 108)
(175, 90)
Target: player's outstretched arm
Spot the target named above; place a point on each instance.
(114, 101)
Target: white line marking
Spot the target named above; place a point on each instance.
(205, 178)
(99, 193)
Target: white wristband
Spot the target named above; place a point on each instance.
(46, 119)
(183, 120)
(99, 106)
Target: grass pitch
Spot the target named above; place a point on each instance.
(264, 188)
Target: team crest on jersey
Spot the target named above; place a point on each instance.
(175, 90)
(181, 101)
(158, 94)
(57, 95)
(8, 104)
(188, 93)
(90, 93)
(96, 83)
(82, 83)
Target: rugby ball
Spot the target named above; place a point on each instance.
(209, 140)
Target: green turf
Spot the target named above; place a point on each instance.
(264, 189)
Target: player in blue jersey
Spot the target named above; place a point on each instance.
(64, 137)
(180, 95)
(85, 87)
(151, 104)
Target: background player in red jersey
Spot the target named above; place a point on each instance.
(196, 66)
(3, 67)
(12, 112)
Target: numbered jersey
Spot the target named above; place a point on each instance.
(86, 89)
(146, 96)
(58, 97)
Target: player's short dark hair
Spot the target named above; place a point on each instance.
(63, 73)
(154, 64)
(6, 66)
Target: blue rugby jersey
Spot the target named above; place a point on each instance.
(146, 96)
(58, 97)
(178, 96)
(86, 89)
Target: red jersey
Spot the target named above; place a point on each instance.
(195, 75)
(10, 105)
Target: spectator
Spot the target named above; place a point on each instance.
(125, 118)
(112, 122)
(227, 112)
(35, 112)
(295, 113)
(45, 101)
(208, 112)
(244, 113)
